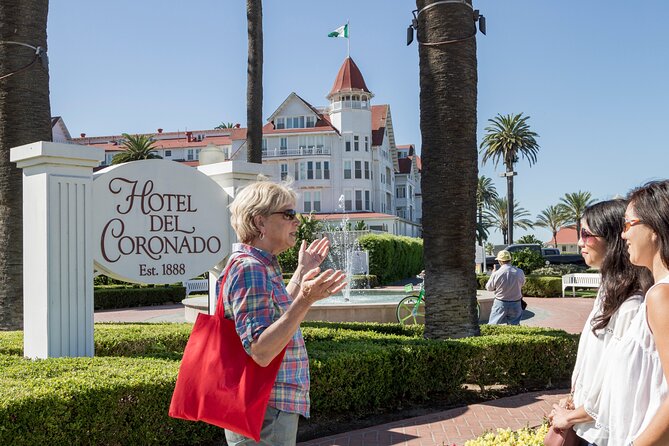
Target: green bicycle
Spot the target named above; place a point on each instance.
(411, 309)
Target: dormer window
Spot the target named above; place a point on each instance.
(311, 121)
(280, 123)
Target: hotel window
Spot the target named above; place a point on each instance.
(307, 202)
(280, 123)
(297, 171)
(358, 200)
(410, 193)
(367, 200)
(311, 121)
(347, 144)
(264, 144)
(283, 144)
(388, 176)
(356, 143)
(295, 122)
(189, 157)
(110, 156)
(168, 153)
(197, 154)
(347, 170)
(303, 171)
(358, 169)
(284, 172)
(367, 170)
(319, 170)
(400, 192)
(366, 143)
(317, 201)
(347, 200)
(310, 170)
(326, 170)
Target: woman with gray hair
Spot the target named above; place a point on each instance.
(267, 314)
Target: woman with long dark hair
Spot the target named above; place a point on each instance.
(618, 299)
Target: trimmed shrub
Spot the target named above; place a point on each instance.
(535, 286)
(356, 369)
(393, 257)
(123, 297)
(506, 437)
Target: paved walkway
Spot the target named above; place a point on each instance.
(454, 426)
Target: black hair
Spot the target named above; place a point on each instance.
(620, 278)
(651, 205)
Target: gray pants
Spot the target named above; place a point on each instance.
(278, 429)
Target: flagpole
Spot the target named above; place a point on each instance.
(348, 41)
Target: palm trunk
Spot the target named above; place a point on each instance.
(509, 196)
(480, 225)
(25, 117)
(254, 90)
(554, 239)
(448, 79)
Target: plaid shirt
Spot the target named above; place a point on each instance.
(255, 297)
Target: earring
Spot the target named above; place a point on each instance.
(261, 236)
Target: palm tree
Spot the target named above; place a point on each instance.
(499, 218)
(485, 194)
(136, 147)
(224, 125)
(254, 90)
(552, 217)
(448, 82)
(508, 138)
(572, 207)
(25, 117)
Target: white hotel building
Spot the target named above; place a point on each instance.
(345, 149)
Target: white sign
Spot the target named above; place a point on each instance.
(157, 221)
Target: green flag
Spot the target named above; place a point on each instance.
(342, 31)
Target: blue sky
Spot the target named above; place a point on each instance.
(591, 75)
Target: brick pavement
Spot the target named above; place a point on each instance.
(454, 426)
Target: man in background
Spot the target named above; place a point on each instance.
(506, 283)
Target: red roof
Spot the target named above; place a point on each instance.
(405, 165)
(565, 236)
(162, 144)
(349, 78)
(379, 115)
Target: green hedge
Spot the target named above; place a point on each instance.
(121, 396)
(535, 286)
(122, 297)
(393, 257)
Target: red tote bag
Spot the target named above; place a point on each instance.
(218, 382)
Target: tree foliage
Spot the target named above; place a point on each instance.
(136, 148)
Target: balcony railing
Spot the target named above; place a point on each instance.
(300, 151)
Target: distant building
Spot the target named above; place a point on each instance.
(567, 240)
(342, 156)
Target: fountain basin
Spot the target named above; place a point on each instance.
(363, 306)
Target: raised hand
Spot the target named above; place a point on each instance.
(312, 256)
(317, 286)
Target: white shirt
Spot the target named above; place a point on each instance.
(591, 351)
(632, 383)
(506, 283)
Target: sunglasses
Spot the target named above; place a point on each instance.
(587, 235)
(288, 214)
(631, 222)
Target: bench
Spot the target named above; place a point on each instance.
(580, 280)
(193, 286)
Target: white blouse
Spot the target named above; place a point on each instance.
(632, 383)
(591, 348)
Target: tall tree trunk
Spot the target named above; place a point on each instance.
(480, 226)
(509, 196)
(448, 82)
(554, 239)
(254, 82)
(25, 117)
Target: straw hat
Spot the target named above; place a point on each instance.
(503, 256)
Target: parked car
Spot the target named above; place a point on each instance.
(553, 256)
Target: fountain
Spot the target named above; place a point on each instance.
(345, 252)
